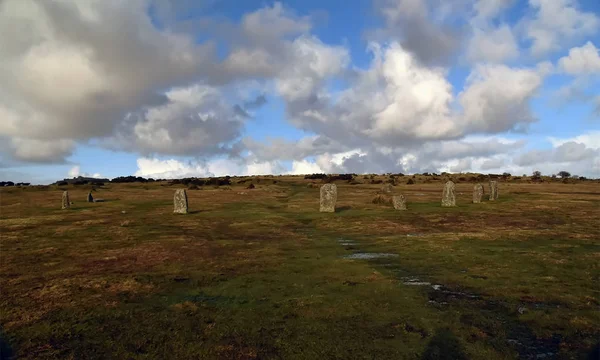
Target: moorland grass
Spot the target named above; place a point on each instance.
(260, 273)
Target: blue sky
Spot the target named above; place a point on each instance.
(174, 88)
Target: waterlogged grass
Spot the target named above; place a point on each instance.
(261, 274)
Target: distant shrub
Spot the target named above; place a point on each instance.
(564, 174)
(462, 178)
(62, 183)
(315, 176)
(128, 179)
(7, 183)
(193, 187)
(343, 177)
(376, 181)
(251, 186)
(410, 182)
(219, 181)
(399, 174)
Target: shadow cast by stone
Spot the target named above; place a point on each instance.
(6, 351)
(444, 345)
(342, 209)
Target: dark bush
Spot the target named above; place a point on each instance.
(193, 187)
(376, 181)
(251, 186)
(62, 183)
(410, 182)
(315, 176)
(128, 179)
(218, 181)
(7, 183)
(343, 177)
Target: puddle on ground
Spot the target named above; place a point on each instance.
(369, 256)
(528, 346)
(345, 242)
(413, 281)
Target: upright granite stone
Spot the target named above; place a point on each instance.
(328, 198)
(493, 190)
(399, 202)
(477, 193)
(387, 189)
(180, 201)
(66, 203)
(448, 196)
(90, 198)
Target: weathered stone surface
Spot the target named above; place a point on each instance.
(493, 190)
(448, 196)
(180, 201)
(399, 202)
(387, 189)
(90, 198)
(328, 198)
(66, 203)
(477, 193)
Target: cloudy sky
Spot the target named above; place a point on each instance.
(174, 88)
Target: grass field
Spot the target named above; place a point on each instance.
(261, 274)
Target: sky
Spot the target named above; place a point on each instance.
(183, 88)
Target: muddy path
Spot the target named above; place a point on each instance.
(497, 319)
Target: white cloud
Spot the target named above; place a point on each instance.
(590, 139)
(486, 10)
(106, 58)
(494, 45)
(420, 27)
(172, 168)
(194, 119)
(581, 60)
(556, 22)
(496, 98)
(75, 171)
(304, 167)
(36, 150)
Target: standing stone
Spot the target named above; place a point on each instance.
(399, 202)
(387, 189)
(66, 203)
(493, 190)
(328, 198)
(448, 196)
(477, 193)
(180, 201)
(90, 198)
